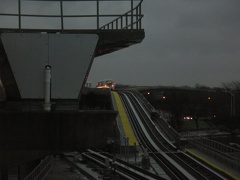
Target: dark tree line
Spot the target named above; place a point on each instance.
(214, 105)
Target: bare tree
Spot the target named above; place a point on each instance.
(232, 86)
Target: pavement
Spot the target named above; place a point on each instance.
(63, 171)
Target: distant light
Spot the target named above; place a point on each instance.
(148, 93)
(186, 118)
(164, 97)
(209, 97)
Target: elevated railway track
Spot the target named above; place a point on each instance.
(124, 169)
(176, 163)
(164, 151)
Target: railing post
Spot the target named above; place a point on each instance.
(61, 9)
(121, 22)
(140, 12)
(137, 17)
(97, 14)
(126, 21)
(131, 14)
(19, 14)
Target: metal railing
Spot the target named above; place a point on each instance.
(128, 20)
(41, 170)
(133, 13)
(216, 148)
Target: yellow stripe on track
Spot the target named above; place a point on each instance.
(125, 121)
(211, 164)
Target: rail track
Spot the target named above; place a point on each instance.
(109, 166)
(176, 163)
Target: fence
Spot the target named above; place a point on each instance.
(41, 170)
(62, 18)
(217, 149)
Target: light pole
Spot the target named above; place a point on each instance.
(233, 102)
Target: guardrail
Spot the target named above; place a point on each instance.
(133, 13)
(215, 148)
(128, 20)
(41, 170)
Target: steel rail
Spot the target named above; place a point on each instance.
(171, 171)
(200, 171)
(122, 167)
(195, 167)
(126, 164)
(146, 115)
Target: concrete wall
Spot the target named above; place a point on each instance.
(25, 136)
(70, 57)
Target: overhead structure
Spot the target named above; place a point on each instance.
(46, 51)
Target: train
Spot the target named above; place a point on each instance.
(88, 84)
(106, 84)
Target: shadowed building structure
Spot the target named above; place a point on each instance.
(43, 71)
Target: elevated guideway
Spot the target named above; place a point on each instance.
(127, 136)
(195, 163)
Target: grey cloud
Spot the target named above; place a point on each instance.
(187, 42)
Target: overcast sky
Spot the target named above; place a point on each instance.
(186, 42)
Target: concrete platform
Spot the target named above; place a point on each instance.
(63, 171)
(218, 164)
(27, 136)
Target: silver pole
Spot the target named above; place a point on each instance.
(47, 89)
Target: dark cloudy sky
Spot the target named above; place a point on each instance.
(186, 42)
